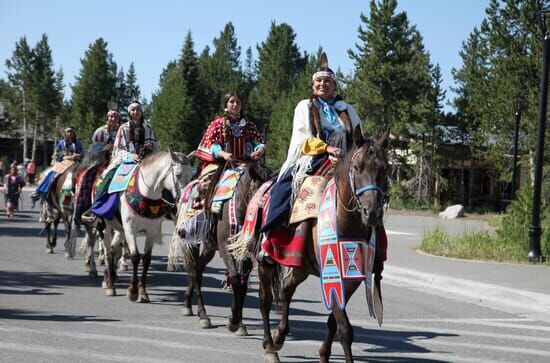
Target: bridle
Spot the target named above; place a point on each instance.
(174, 182)
(357, 192)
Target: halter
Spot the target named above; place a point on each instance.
(361, 190)
(174, 182)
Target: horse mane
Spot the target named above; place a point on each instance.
(153, 158)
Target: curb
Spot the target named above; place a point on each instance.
(516, 298)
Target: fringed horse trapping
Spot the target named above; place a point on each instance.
(342, 249)
(222, 229)
(142, 208)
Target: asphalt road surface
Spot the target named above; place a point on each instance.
(51, 311)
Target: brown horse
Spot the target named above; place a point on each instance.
(197, 257)
(361, 182)
(58, 207)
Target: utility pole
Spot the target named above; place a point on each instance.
(535, 232)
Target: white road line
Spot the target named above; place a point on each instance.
(84, 354)
(126, 339)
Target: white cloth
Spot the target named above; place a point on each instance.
(301, 130)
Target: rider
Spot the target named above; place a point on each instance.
(322, 133)
(134, 140)
(230, 137)
(68, 148)
(99, 154)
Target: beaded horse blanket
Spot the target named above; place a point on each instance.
(122, 177)
(341, 259)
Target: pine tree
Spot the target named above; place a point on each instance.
(391, 70)
(94, 90)
(279, 64)
(174, 111)
(19, 71)
(133, 91)
(220, 72)
(47, 92)
(121, 94)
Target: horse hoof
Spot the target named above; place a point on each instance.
(275, 338)
(68, 256)
(86, 268)
(110, 292)
(143, 299)
(132, 295)
(122, 268)
(271, 357)
(49, 250)
(205, 323)
(232, 327)
(104, 284)
(185, 311)
(242, 331)
(92, 273)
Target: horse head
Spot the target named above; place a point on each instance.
(362, 178)
(165, 170)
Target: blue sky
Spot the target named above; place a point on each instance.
(151, 33)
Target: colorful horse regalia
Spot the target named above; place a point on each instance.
(62, 150)
(238, 137)
(134, 140)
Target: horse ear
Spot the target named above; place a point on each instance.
(174, 156)
(191, 155)
(358, 138)
(384, 140)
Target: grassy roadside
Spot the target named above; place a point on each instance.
(508, 243)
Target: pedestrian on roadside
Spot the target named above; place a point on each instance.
(31, 172)
(13, 184)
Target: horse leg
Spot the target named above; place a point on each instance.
(338, 320)
(122, 264)
(109, 276)
(266, 273)
(49, 245)
(70, 231)
(195, 279)
(191, 263)
(90, 260)
(148, 251)
(295, 278)
(70, 243)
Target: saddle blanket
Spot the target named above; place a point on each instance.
(122, 177)
(306, 204)
(227, 184)
(61, 166)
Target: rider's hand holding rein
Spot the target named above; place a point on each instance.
(256, 155)
(335, 151)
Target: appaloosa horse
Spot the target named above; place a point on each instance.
(218, 236)
(142, 209)
(361, 183)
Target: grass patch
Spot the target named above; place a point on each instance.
(509, 242)
(471, 245)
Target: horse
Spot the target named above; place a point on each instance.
(156, 172)
(218, 236)
(58, 207)
(361, 184)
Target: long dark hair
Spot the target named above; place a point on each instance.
(226, 116)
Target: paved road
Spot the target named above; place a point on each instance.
(50, 311)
